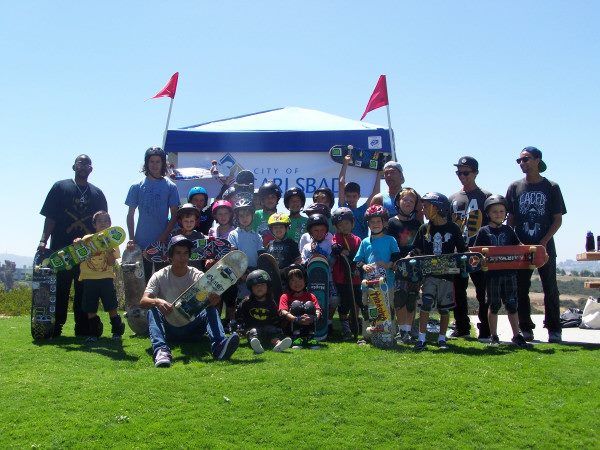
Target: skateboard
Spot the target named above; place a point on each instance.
(512, 257)
(416, 268)
(269, 264)
(43, 298)
(469, 224)
(350, 301)
(68, 257)
(131, 270)
(318, 284)
(215, 248)
(366, 159)
(217, 279)
(243, 187)
(381, 330)
(157, 251)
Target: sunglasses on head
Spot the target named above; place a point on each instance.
(464, 173)
(523, 159)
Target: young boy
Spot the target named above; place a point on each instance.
(269, 194)
(501, 285)
(321, 239)
(187, 220)
(300, 308)
(404, 227)
(439, 236)
(97, 276)
(259, 314)
(350, 195)
(294, 200)
(283, 249)
(345, 244)
(199, 198)
(315, 208)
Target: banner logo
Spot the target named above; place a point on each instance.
(375, 143)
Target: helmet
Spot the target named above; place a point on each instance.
(279, 218)
(179, 240)
(316, 219)
(155, 151)
(440, 201)
(256, 277)
(402, 193)
(376, 211)
(342, 214)
(328, 192)
(221, 204)
(243, 203)
(290, 193)
(318, 208)
(494, 200)
(198, 190)
(270, 187)
(187, 208)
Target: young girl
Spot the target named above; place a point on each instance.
(222, 211)
(259, 314)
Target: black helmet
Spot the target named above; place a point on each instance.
(243, 203)
(290, 193)
(155, 151)
(316, 219)
(376, 211)
(440, 201)
(270, 187)
(494, 200)
(257, 277)
(340, 214)
(328, 192)
(187, 208)
(318, 208)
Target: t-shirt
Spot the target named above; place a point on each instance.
(464, 202)
(297, 228)
(284, 251)
(72, 208)
(205, 221)
(97, 267)
(500, 236)
(379, 249)
(322, 248)
(256, 314)
(388, 203)
(533, 206)
(351, 243)
(152, 198)
(260, 225)
(285, 302)
(216, 233)
(360, 228)
(164, 284)
(439, 239)
(404, 231)
(247, 241)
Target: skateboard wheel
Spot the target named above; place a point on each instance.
(532, 249)
(485, 250)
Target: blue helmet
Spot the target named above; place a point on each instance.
(440, 201)
(198, 190)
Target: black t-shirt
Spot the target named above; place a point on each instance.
(464, 202)
(533, 206)
(72, 208)
(500, 236)
(205, 221)
(285, 252)
(258, 314)
(404, 232)
(439, 239)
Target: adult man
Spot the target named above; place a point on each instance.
(394, 177)
(154, 196)
(467, 212)
(536, 207)
(164, 287)
(68, 209)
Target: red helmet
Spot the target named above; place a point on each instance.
(376, 211)
(221, 204)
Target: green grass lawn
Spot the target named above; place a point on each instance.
(65, 393)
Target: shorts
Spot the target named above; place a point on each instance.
(94, 290)
(437, 292)
(501, 289)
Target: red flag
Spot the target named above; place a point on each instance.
(379, 97)
(170, 88)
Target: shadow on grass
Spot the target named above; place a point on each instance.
(104, 346)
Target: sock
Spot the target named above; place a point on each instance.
(441, 338)
(422, 336)
(406, 327)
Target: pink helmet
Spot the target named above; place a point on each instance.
(221, 204)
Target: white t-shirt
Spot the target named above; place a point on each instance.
(164, 284)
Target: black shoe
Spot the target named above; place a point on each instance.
(520, 341)
(442, 344)
(494, 341)
(460, 333)
(420, 346)
(57, 331)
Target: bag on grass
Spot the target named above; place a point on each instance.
(571, 318)
(591, 314)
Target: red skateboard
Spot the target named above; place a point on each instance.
(512, 257)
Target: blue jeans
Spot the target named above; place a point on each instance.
(161, 331)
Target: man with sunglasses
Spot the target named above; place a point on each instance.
(467, 212)
(536, 207)
(68, 209)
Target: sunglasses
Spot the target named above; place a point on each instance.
(523, 159)
(463, 173)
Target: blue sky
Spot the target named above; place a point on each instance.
(464, 78)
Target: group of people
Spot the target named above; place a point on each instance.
(390, 225)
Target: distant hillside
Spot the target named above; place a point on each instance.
(570, 265)
(19, 260)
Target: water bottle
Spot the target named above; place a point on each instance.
(589, 242)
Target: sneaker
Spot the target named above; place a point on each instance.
(297, 343)
(283, 344)
(485, 338)
(527, 335)
(91, 339)
(162, 358)
(420, 346)
(554, 337)
(346, 331)
(460, 334)
(495, 341)
(407, 338)
(313, 344)
(520, 341)
(256, 346)
(227, 347)
(442, 345)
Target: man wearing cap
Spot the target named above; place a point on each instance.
(536, 207)
(164, 287)
(394, 177)
(468, 213)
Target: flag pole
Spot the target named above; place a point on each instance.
(392, 143)
(168, 120)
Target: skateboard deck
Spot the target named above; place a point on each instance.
(418, 267)
(269, 264)
(318, 284)
(131, 270)
(469, 224)
(243, 187)
(43, 298)
(215, 248)
(365, 159)
(512, 257)
(157, 251)
(217, 279)
(68, 257)
(381, 330)
(350, 301)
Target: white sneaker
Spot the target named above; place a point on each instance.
(162, 358)
(256, 346)
(282, 345)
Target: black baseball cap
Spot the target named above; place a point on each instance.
(536, 153)
(179, 240)
(468, 161)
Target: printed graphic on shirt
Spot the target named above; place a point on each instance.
(532, 207)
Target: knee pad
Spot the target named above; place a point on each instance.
(310, 308)
(297, 308)
(511, 305)
(426, 303)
